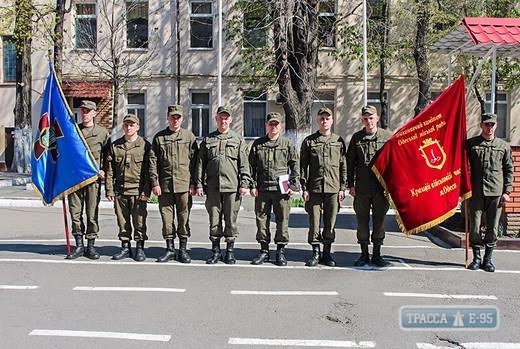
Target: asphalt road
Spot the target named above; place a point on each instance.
(49, 302)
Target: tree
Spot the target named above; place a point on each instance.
(106, 55)
(22, 35)
(290, 61)
(420, 54)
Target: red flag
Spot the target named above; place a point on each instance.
(424, 165)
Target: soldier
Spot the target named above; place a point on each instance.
(98, 141)
(491, 172)
(172, 169)
(364, 187)
(270, 157)
(323, 180)
(128, 186)
(223, 175)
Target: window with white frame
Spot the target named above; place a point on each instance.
(327, 18)
(201, 24)
(255, 107)
(200, 107)
(9, 58)
(135, 104)
(137, 24)
(85, 26)
(322, 99)
(373, 98)
(255, 27)
(501, 109)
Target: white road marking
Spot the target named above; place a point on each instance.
(95, 334)
(129, 289)
(17, 287)
(438, 295)
(473, 345)
(286, 293)
(301, 343)
(207, 243)
(202, 264)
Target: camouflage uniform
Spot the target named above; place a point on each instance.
(127, 178)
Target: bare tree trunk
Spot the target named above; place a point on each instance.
(295, 30)
(22, 112)
(58, 38)
(382, 64)
(421, 55)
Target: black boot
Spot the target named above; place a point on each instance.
(475, 264)
(183, 257)
(377, 260)
(230, 253)
(139, 251)
(487, 264)
(169, 254)
(91, 252)
(326, 258)
(126, 251)
(264, 254)
(364, 258)
(315, 258)
(80, 248)
(280, 255)
(215, 248)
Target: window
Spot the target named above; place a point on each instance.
(322, 99)
(501, 111)
(255, 106)
(135, 104)
(255, 34)
(9, 54)
(373, 99)
(137, 24)
(200, 113)
(201, 24)
(86, 26)
(326, 19)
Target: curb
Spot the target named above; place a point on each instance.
(457, 239)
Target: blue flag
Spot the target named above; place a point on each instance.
(61, 160)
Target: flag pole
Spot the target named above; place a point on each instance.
(466, 233)
(67, 238)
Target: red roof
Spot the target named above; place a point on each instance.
(502, 31)
(478, 35)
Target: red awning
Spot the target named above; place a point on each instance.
(478, 35)
(86, 89)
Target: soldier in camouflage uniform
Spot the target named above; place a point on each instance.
(172, 169)
(323, 180)
(270, 157)
(223, 175)
(363, 185)
(491, 168)
(128, 186)
(98, 141)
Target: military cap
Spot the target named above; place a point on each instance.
(175, 110)
(273, 117)
(223, 109)
(131, 118)
(368, 110)
(324, 110)
(488, 117)
(88, 104)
